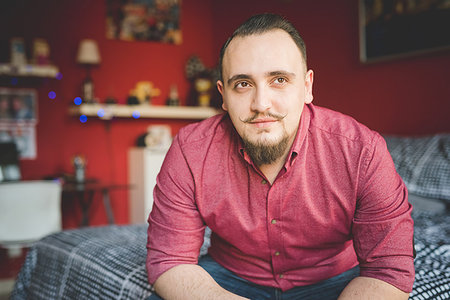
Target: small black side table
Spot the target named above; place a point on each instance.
(84, 193)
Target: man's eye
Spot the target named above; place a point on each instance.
(280, 80)
(242, 84)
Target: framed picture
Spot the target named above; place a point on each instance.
(18, 105)
(21, 134)
(396, 28)
(144, 20)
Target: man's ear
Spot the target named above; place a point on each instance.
(309, 79)
(221, 91)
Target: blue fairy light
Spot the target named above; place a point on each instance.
(14, 80)
(77, 101)
(52, 95)
(59, 76)
(83, 119)
(136, 114)
(101, 112)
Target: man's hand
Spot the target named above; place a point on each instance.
(365, 288)
(190, 282)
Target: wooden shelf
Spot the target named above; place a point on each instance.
(48, 71)
(108, 111)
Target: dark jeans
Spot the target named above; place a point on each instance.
(324, 290)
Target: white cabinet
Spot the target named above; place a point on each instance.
(143, 167)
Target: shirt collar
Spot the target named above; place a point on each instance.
(296, 145)
(303, 128)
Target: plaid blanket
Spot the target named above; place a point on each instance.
(423, 163)
(432, 263)
(109, 263)
(89, 263)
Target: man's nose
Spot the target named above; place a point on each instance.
(261, 100)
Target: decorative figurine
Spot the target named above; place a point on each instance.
(41, 52)
(173, 99)
(18, 55)
(202, 80)
(203, 87)
(157, 137)
(79, 165)
(145, 91)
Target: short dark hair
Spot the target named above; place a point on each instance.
(262, 23)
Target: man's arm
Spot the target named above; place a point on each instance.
(175, 234)
(362, 288)
(382, 228)
(190, 282)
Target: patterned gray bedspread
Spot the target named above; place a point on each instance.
(423, 163)
(109, 263)
(432, 263)
(91, 263)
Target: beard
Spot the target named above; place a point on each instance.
(265, 153)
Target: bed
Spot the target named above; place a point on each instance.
(109, 262)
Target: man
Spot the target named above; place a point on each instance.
(303, 202)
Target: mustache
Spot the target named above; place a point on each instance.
(277, 117)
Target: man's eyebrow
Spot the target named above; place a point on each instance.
(237, 77)
(272, 73)
(284, 73)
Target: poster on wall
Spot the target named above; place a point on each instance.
(144, 20)
(23, 135)
(391, 29)
(18, 119)
(18, 105)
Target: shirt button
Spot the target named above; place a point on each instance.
(264, 181)
(277, 253)
(273, 221)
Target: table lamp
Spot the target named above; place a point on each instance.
(88, 55)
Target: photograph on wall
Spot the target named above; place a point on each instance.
(18, 105)
(144, 20)
(396, 28)
(23, 135)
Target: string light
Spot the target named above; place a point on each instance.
(77, 101)
(101, 112)
(136, 114)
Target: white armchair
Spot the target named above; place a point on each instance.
(29, 210)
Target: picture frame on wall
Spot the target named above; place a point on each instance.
(18, 105)
(23, 135)
(390, 29)
(18, 120)
(138, 20)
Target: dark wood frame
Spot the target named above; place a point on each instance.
(393, 29)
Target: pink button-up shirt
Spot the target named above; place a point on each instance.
(337, 202)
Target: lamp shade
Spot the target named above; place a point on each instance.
(88, 52)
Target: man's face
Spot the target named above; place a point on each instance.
(265, 86)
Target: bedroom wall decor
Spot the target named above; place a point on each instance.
(18, 118)
(144, 20)
(396, 28)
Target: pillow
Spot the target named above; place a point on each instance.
(423, 163)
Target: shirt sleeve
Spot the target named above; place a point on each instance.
(175, 232)
(382, 225)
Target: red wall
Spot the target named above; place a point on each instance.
(403, 96)
(60, 136)
(407, 96)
